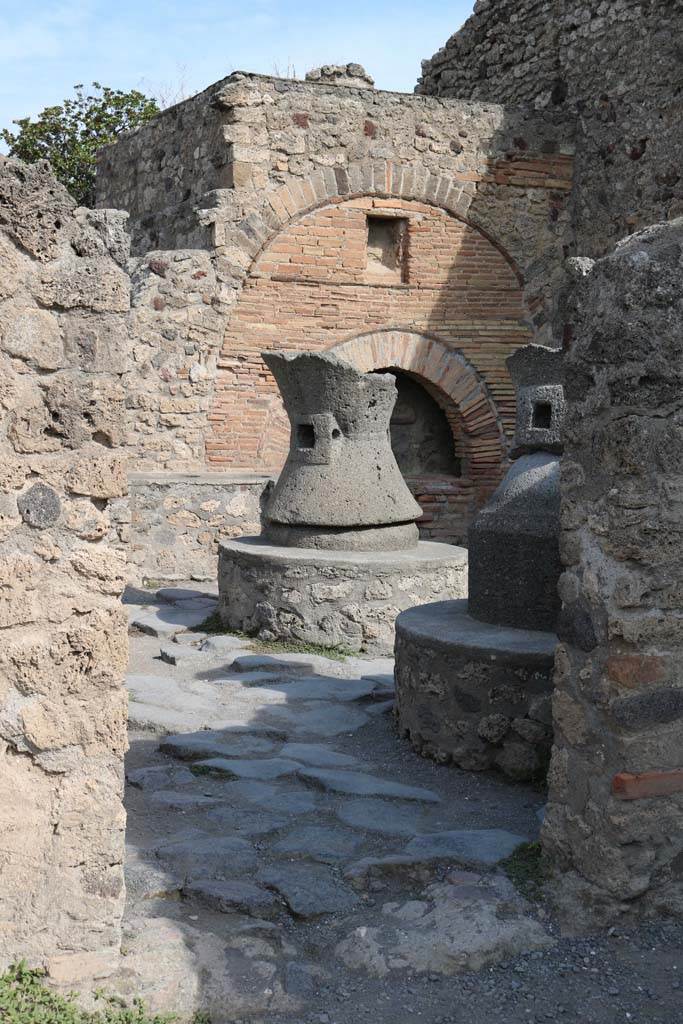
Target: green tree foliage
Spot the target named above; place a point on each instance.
(69, 135)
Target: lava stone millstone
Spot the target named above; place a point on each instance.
(341, 474)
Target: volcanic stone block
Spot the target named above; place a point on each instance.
(40, 506)
(513, 542)
(538, 377)
(341, 486)
(514, 555)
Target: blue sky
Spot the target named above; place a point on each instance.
(174, 49)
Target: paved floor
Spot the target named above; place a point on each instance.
(290, 859)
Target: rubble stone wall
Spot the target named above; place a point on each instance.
(614, 823)
(64, 298)
(177, 520)
(612, 68)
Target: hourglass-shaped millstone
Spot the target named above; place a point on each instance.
(341, 487)
(514, 549)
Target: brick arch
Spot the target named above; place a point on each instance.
(455, 384)
(382, 179)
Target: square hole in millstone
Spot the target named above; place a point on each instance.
(542, 415)
(305, 435)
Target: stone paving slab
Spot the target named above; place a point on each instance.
(160, 777)
(166, 704)
(262, 769)
(175, 594)
(318, 755)
(211, 743)
(274, 663)
(327, 688)
(167, 621)
(384, 682)
(309, 890)
(274, 798)
(316, 842)
(383, 816)
(190, 636)
(146, 880)
(384, 707)
(225, 644)
(197, 855)
(478, 848)
(320, 722)
(229, 896)
(201, 601)
(177, 654)
(235, 819)
(182, 801)
(485, 846)
(359, 784)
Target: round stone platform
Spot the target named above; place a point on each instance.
(347, 599)
(474, 693)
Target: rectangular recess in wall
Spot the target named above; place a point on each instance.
(387, 248)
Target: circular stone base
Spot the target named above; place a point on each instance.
(347, 599)
(472, 693)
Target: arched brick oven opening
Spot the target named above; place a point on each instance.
(428, 446)
(477, 446)
(424, 439)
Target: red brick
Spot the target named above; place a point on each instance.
(636, 670)
(626, 786)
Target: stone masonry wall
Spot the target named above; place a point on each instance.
(614, 822)
(217, 185)
(63, 634)
(177, 520)
(613, 69)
